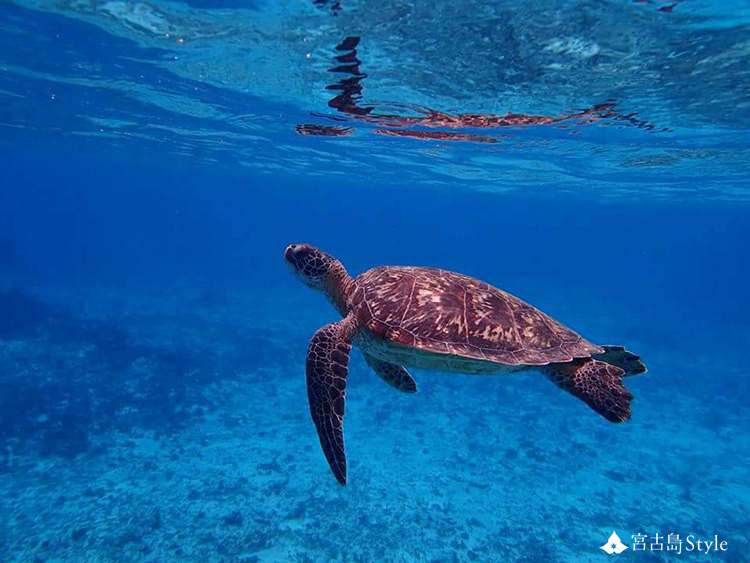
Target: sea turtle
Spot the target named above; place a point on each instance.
(434, 319)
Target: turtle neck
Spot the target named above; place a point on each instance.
(337, 286)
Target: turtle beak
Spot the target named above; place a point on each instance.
(289, 252)
(290, 255)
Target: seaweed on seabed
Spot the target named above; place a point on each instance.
(67, 435)
(89, 376)
(54, 414)
(20, 315)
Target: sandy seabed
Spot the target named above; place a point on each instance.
(154, 426)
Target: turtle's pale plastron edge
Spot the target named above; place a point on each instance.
(433, 319)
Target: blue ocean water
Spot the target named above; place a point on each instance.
(157, 158)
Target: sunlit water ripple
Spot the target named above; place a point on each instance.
(597, 100)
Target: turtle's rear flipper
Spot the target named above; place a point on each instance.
(596, 383)
(393, 375)
(620, 357)
(327, 368)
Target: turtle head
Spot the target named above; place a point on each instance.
(309, 264)
(320, 271)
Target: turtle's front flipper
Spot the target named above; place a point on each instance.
(596, 383)
(327, 368)
(620, 357)
(393, 375)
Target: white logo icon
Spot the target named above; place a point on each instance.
(614, 545)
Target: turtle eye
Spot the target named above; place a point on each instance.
(301, 254)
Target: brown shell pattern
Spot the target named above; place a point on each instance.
(448, 313)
